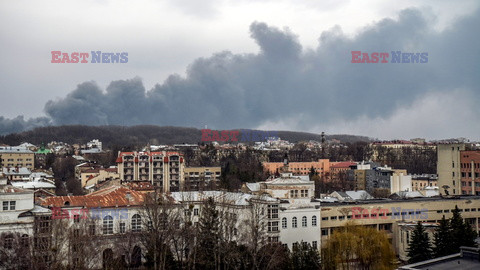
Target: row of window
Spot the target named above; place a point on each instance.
(136, 225)
(294, 222)
(469, 165)
(469, 183)
(469, 175)
(303, 193)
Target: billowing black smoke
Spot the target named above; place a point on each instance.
(284, 80)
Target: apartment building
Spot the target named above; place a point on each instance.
(448, 168)
(202, 178)
(14, 156)
(322, 167)
(421, 181)
(165, 170)
(470, 172)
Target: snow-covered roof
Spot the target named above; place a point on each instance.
(290, 179)
(253, 186)
(16, 171)
(32, 184)
(359, 195)
(235, 198)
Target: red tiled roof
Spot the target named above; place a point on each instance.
(343, 164)
(108, 197)
(96, 170)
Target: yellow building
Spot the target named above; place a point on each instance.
(448, 167)
(93, 176)
(13, 156)
(201, 178)
(386, 215)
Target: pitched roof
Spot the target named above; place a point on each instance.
(108, 197)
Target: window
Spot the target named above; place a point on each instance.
(76, 218)
(343, 217)
(284, 223)
(324, 218)
(333, 218)
(272, 211)
(195, 212)
(314, 244)
(136, 223)
(6, 204)
(324, 232)
(122, 227)
(91, 229)
(273, 226)
(294, 222)
(24, 240)
(108, 225)
(8, 242)
(304, 221)
(304, 193)
(314, 221)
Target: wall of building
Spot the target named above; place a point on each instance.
(448, 167)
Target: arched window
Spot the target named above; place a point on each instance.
(108, 225)
(136, 223)
(284, 223)
(24, 240)
(314, 221)
(304, 221)
(294, 222)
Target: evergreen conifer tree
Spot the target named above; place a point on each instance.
(420, 247)
(442, 239)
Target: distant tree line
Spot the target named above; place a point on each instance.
(139, 136)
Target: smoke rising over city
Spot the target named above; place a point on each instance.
(286, 86)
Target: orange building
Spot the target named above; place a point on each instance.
(322, 167)
(470, 172)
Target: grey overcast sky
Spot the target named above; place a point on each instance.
(266, 64)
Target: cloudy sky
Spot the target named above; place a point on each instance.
(227, 64)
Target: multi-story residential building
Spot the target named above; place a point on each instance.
(94, 176)
(201, 178)
(322, 167)
(14, 156)
(370, 176)
(448, 168)
(421, 181)
(470, 172)
(163, 169)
